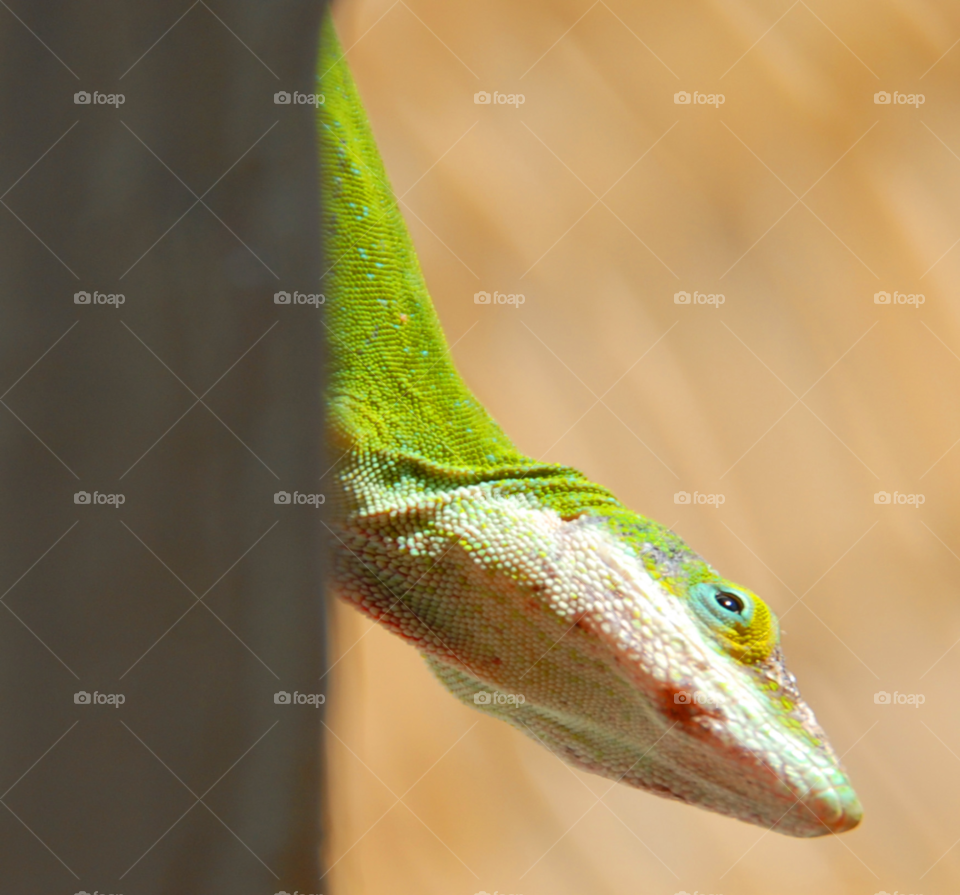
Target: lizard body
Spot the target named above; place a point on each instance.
(532, 592)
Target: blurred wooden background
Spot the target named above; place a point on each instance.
(798, 399)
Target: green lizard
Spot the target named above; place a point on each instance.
(534, 594)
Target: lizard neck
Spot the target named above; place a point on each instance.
(392, 384)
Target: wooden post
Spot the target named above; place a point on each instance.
(158, 392)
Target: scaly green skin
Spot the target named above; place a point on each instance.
(596, 629)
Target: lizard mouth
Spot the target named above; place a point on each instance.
(779, 778)
(837, 809)
(697, 761)
(824, 812)
(810, 811)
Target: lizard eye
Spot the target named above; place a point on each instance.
(730, 602)
(742, 623)
(723, 606)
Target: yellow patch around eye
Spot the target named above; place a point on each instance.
(753, 642)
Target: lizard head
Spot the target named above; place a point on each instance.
(719, 720)
(663, 675)
(600, 634)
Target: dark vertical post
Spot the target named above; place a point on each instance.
(159, 398)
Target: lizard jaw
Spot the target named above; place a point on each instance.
(803, 792)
